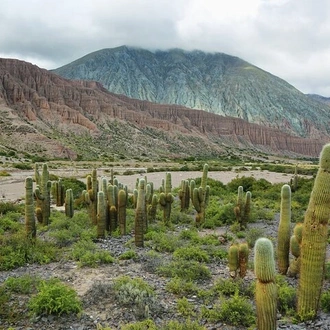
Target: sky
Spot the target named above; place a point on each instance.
(288, 38)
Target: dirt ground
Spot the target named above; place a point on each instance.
(12, 187)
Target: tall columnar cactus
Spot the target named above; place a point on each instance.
(201, 198)
(112, 193)
(295, 246)
(152, 209)
(69, 210)
(184, 195)
(243, 208)
(59, 192)
(140, 214)
(283, 240)
(92, 190)
(42, 193)
(238, 255)
(233, 261)
(166, 199)
(30, 223)
(101, 214)
(314, 241)
(266, 289)
(243, 257)
(122, 202)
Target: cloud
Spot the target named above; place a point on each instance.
(288, 38)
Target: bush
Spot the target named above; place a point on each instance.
(87, 254)
(22, 285)
(191, 253)
(236, 311)
(55, 297)
(142, 325)
(181, 286)
(184, 307)
(325, 301)
(187, 325)
(185, 269)
(252, 235)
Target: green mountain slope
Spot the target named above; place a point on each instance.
(214, 82)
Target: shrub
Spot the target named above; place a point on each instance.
(134, 293)
(23, 166)
(181, 286)
(23, 285)
(184, 269)
(87, 254)
(191, 253)
(325, 301)
(234, 311)
(6, 207)
(252, 235)
(187, 325)
(142, 325)
(184, 307)
(54, 297)
(163, 242)
(130, 254)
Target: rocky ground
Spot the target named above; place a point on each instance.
(94, 287)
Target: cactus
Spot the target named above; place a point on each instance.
(201, 198)
(166, 199)
(42, 193)
(101, 214)
(233, 261)
(184, 195)
(30, 223)
(266, 289)
(295, 246)
(69, 210)
(152, 209)
(283, 241)
(112, 196)
(140, 214)
(122, 202)
(314, 241)
(238, 255)
(243, 258)
(59, 192)
(242, 209)
(92, 190)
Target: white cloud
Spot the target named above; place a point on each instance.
(288, 38)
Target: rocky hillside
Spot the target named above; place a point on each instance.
(44, 114)
(214, 82)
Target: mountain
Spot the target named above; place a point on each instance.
(214, 82)
(46, 115)
(319, 98)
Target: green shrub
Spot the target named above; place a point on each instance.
(130, 254)
(187, 325)
(10, 222)
(252, 235)
(134, 293)
(6, 207)
(184, 269)
(163, 242)
(142, 325)
(190, 253)
(184, 307)
(287, 296)
(23, 166)
(181, 286)
(87, 253)
(325, 301)
(24, 284)
(236, 311)
(54, 297)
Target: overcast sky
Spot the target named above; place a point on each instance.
(288, 38)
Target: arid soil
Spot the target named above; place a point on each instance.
(12, 187)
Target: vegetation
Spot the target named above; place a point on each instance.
(179, 251)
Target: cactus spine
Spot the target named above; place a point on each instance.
(30, 224)
(42, 193)
(314, 241)
(166, 199)
(69, 211)
(283, 241)
(140, 214)
(101, 214)
(266, 289)
(201, 197)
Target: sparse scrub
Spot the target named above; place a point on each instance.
(54, 297)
